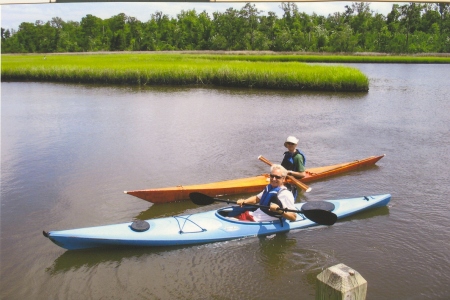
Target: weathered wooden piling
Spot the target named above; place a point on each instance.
(340, 282)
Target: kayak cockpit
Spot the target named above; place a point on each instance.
(230, 213)
(234, 211)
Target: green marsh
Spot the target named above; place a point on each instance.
(248, 71)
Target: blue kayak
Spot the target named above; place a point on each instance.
(205, 227)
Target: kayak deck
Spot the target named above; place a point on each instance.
(206, 227)
(244, 185)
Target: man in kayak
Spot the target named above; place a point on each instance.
(275, 195)
(294, 161)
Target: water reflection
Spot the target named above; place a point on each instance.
(91, 258)
(381, 211)
(274, 252)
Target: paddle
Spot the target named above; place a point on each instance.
(319, 216)
(298, 183)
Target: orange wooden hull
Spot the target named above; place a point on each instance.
(244, 185)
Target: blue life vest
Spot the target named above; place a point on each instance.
(288, 160)
(270, 195)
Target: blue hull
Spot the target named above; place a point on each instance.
(206, 227)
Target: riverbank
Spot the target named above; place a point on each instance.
(327, 57)
(248, 71)
(354, 57)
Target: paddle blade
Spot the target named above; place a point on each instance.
(201, 199)
(321, 217)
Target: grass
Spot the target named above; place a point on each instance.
(336, 58)
(249, 71)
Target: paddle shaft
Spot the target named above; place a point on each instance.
(319, 216)
(298, 183)
(258, 205)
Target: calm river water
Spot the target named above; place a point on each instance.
(69, 151)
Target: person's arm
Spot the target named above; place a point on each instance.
(298, 161)
(291, 216)
(287, 200)
(250, 200)
(298, 175)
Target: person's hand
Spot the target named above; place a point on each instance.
(275, 208)
(240, 202)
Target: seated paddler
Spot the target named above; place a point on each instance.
(294, 161)
(275, 195)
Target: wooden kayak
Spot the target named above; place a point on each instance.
(244, 185)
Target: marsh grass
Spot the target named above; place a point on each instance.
(254, 71)
(374, 58)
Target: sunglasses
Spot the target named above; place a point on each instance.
(275, 176)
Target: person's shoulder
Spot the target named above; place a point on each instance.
(286, 198)
(298, 157)
(285, 191)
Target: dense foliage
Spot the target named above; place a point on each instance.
(408, 28)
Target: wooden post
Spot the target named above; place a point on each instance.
(340, 282)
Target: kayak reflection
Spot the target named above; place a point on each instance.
(91, 258)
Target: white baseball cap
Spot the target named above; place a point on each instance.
(291, 139)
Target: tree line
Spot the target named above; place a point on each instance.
(409, 28)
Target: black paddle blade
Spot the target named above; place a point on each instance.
(201, 199)
(321, 217)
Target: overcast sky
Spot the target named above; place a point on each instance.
(14, 14)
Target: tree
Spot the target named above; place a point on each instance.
(189, 31)
(322, 37)
(150, 32)
(359, 17)
(343, 40)
(249, 16)
(267, 28)
(379, 33)
(205, 30)
(159, 33)
(392, 20)
(134, 33)
(6, 34)
(117, 32)
(91, 29)
(226, 30)
(10, 43)
(290, 12)
(444, 26)
(46, 37)
(409, 19)
(27, 37)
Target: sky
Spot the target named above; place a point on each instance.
(12, 15)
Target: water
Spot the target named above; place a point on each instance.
(69, 151)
